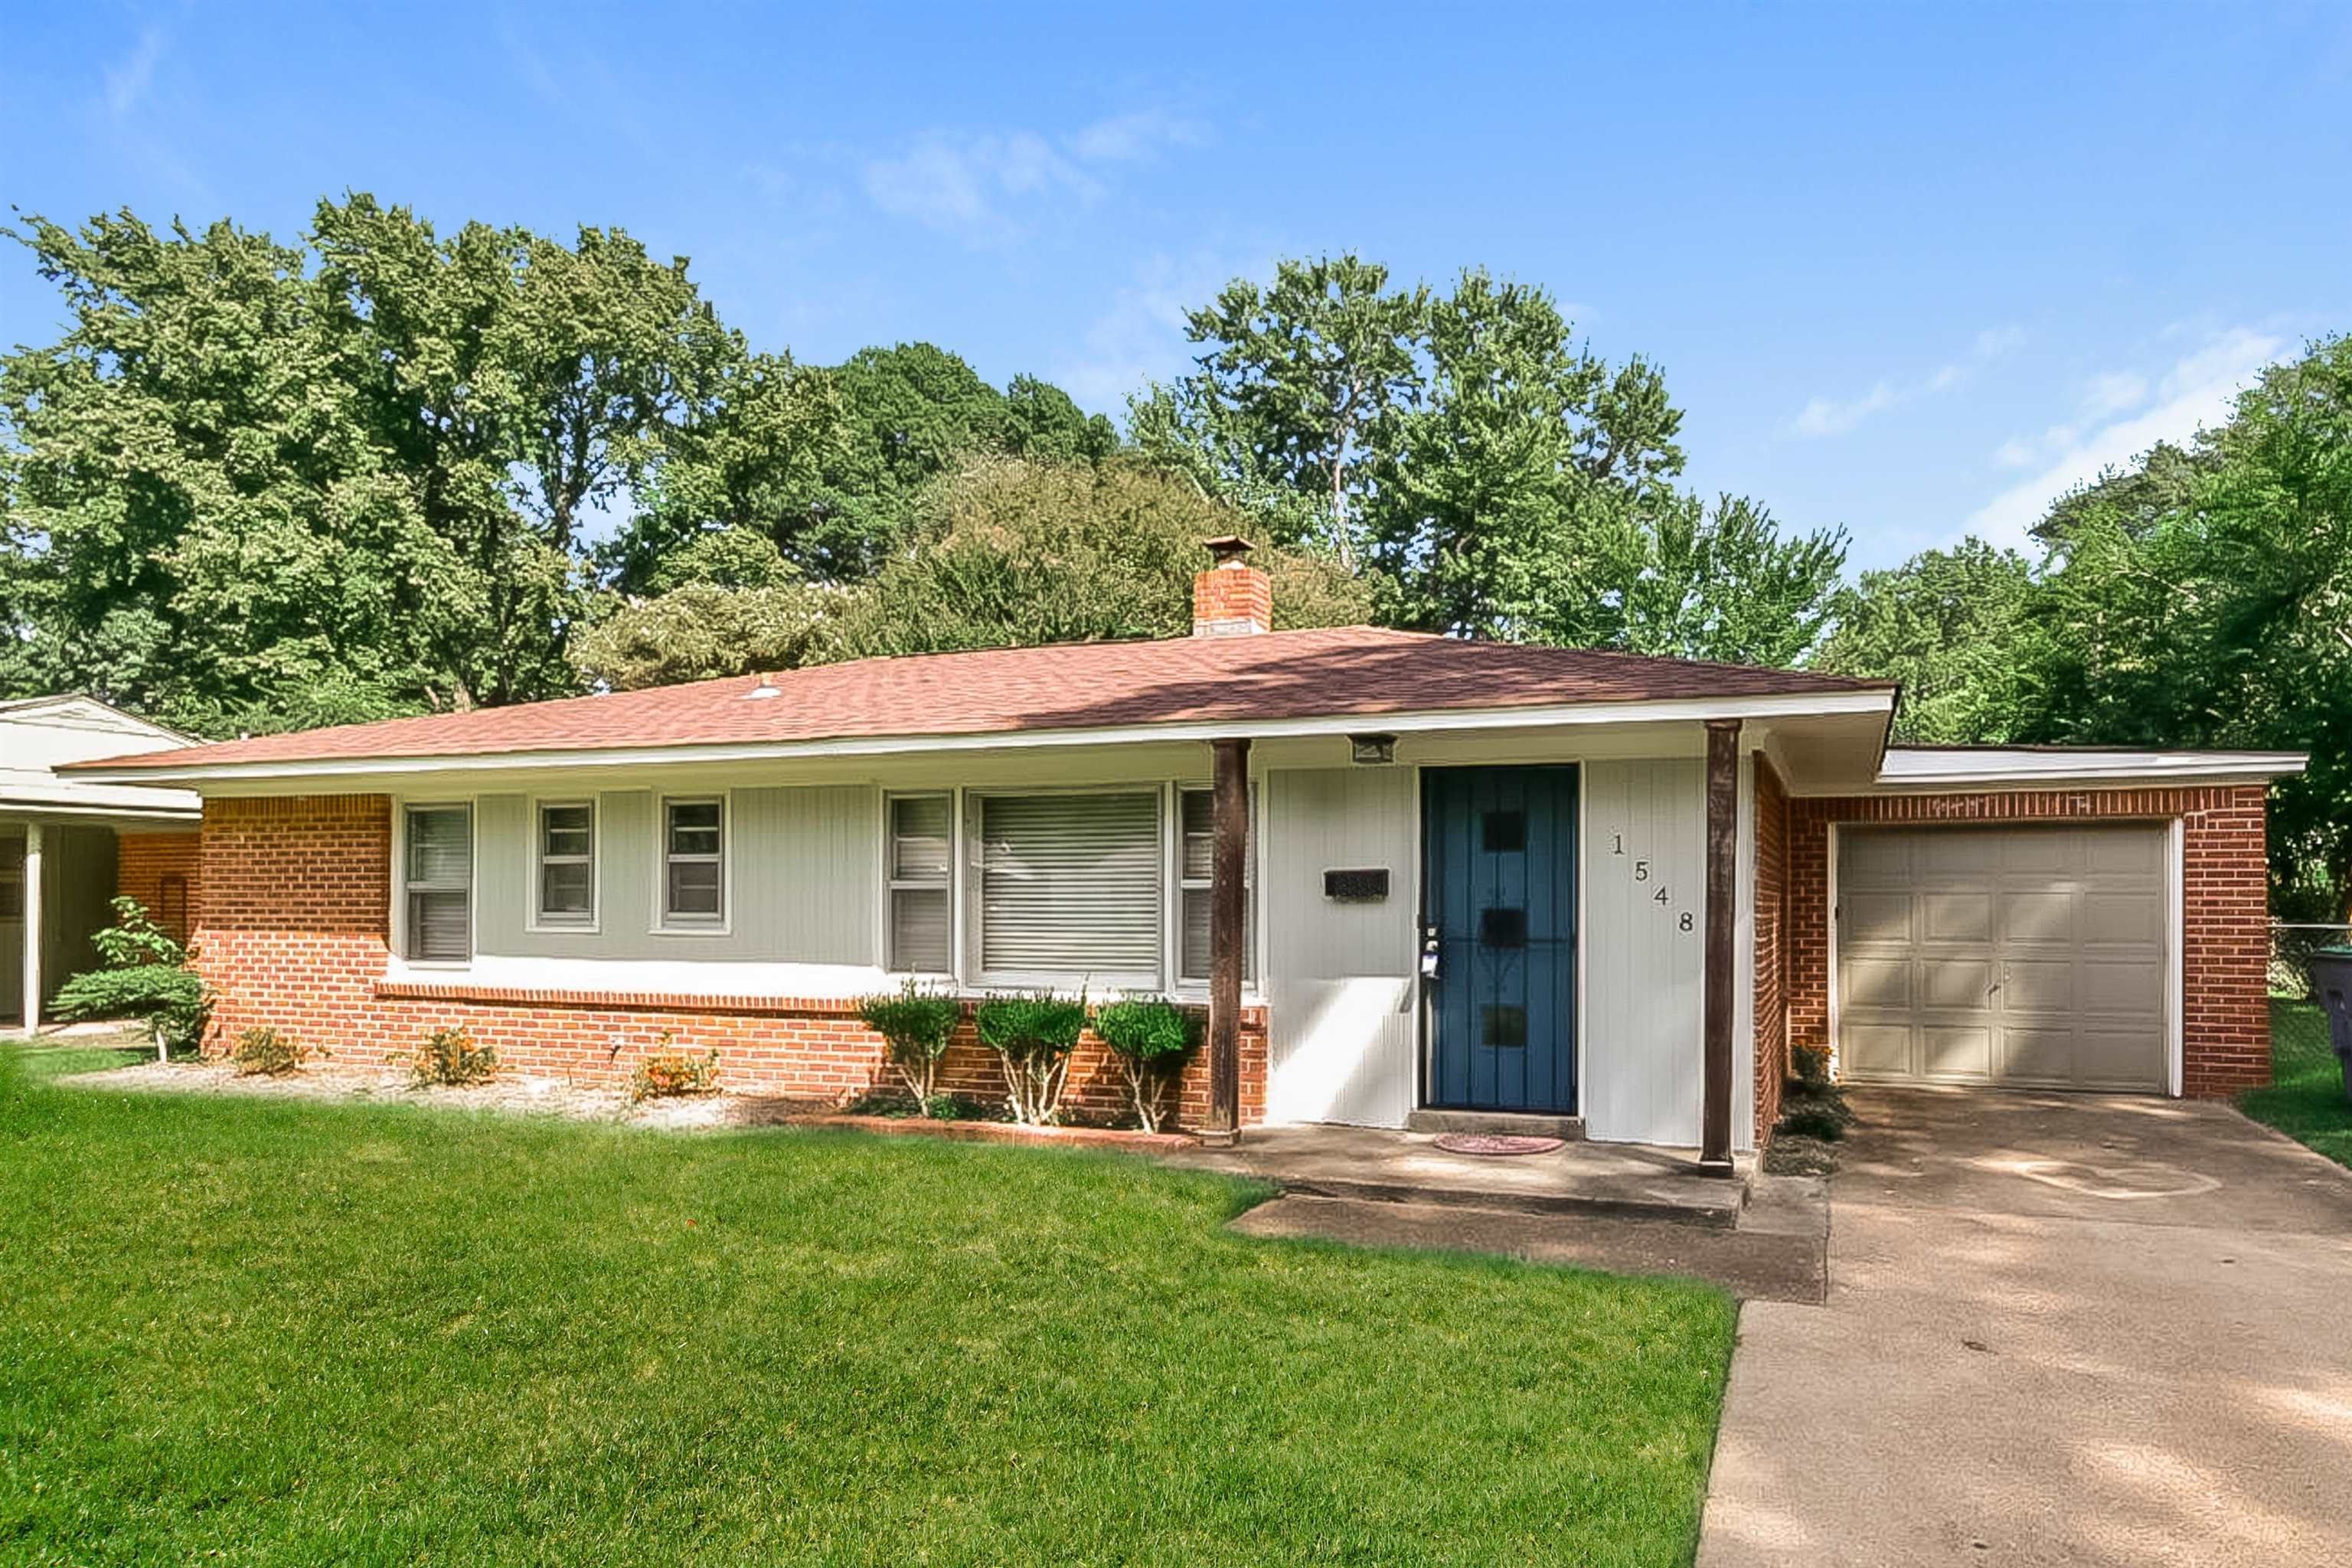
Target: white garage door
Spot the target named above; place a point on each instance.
(2025, 956)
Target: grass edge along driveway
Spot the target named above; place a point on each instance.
(290, 1332)
(2305, 1097)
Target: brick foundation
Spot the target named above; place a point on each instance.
(2225, 1017)
(1771, 1061)
(294, 936)
(163, 872)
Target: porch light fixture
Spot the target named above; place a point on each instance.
(1372, 750)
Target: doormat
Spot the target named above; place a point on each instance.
(1496, 1144)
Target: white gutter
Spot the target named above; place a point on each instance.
(1908, 770)
(196, 771)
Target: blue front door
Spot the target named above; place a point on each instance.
(1499, 937)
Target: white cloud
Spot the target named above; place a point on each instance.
(1828, 417)
(963, 184)
(1836, 416)
(2195, 392)
(127, 83)
(2114, 392)
(1140, 337)
(975, 185)
(1123, 137)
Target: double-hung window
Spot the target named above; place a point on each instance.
(694, 863)
(566, 895)
(1069, 888)
(439, 883)
(1196, 863)
(922, 863)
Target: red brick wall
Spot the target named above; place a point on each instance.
(294, 936)
(143, 861)
(1771, 946)
(2225, 1019)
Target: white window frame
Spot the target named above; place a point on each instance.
(972, 932)
(664, 922)
(1183, 985)
(893, 884)
(535, 916)
(401, 885)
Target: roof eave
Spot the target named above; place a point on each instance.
(191, 769)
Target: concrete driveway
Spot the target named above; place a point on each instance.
(2058, 1329)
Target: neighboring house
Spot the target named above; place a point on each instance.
(1462, 876)
(68, 845)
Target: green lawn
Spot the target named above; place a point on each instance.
(262, 1332)
(2306, 1100)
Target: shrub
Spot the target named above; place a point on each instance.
(266, 1052)
(915, 1026)
(145, 977)
(1033, 1036)
(668, 1074)
(1150, 1038)
(450, 1057)
(1813, 1103)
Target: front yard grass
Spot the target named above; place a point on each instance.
(2306, 1098)
(274, 1332)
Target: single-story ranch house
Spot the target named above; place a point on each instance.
(1406, 875)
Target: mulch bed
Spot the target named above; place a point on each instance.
(1011, 1132)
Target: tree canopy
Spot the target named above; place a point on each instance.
(2201, 598)
(384, 470)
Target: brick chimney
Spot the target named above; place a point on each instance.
(1231, 599)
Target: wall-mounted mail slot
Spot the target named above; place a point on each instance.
(1357, 885)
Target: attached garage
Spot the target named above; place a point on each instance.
(2033, 956)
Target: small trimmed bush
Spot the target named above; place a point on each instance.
(914, 1026)
(669, 1074)
(1812, 1104)
(450, 1057)
(267, 1053)
(1151, 1038)
(1033, 1036)
(145, 977)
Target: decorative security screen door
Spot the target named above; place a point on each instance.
(1498, 927)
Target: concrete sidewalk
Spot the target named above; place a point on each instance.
(2058, 1329)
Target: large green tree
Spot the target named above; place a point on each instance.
(200, 521)
(1297, 385)
(1012, 552)
(1948, 623)
(2210, 603)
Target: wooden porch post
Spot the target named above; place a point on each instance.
(1228, 923)
(1722, 939)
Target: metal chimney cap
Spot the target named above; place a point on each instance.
(1226, 548)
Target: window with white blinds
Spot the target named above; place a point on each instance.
(922, 862)
(1069, 887)
(439, 883)
(1197, 811)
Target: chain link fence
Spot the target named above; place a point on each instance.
(2299, 1046)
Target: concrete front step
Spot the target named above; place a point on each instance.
(1707, 1202)
(1381, 1166)
(1515, 1123)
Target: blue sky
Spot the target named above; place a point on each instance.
(1910, 269)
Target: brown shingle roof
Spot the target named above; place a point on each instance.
(1351, 672)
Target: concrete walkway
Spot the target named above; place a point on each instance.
(2058, 1329)
(1380, 1166)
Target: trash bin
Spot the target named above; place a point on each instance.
(2331, 987)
